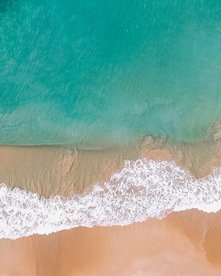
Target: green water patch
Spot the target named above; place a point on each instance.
(92, 73)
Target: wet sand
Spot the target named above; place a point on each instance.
(54, 170)
(185, 243)
(62, 170)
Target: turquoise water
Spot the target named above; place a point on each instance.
(108, 72)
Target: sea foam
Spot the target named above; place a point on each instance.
(143, 189)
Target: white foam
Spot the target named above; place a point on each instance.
(143, 189)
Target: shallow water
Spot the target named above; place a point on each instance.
(91, 73)
(142, 190)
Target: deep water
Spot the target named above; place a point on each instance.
(92, 73)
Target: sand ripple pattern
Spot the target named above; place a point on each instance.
(143, 189)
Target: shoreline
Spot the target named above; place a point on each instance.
(62, 170)
(183, 243)
(149, 179)
(190, 239)
(67, 188)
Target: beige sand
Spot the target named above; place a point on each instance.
(186, 243)
(62, 170)
(58, 170)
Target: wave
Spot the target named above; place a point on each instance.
(143, 189)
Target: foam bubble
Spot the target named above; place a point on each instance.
(143, 189)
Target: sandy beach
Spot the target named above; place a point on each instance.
(61, 170)
(185, 243)
(53, 170)
(110, 138)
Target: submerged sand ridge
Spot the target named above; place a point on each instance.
(183, 243)
(48, 189)
(62, 170)
(58, 170)
(106, 190)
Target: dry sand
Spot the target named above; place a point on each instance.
(185, 243)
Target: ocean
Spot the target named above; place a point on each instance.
(141, 191)
(92, 74)
(95, 77)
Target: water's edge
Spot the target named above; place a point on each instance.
(141, 190)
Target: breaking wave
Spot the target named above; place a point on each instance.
(143, 189)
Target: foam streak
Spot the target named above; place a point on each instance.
(143, 189)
